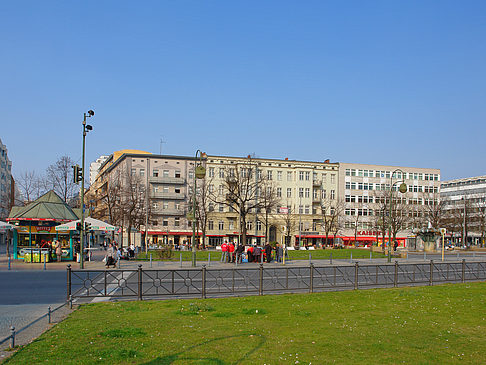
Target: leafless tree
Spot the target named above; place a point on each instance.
(289, 224)
(269, 201)
(332, 211)
(60, 178)
(203, 205)
(29, 185)
(240, 192)
(433, 210)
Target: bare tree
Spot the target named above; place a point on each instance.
(332, 211)
(433, 210)
(29, 186)
(289, 224)
(203, 205)
(240, 192)
(269, 201)
(60, 178)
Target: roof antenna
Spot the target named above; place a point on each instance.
(161, 142)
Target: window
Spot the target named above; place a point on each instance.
(316, 194)
(307, 192)
(177, 191)
(178, 173)
(165, 205)
(324, 177)
(221, 173)
(221, 225)
(210, 225)
(289, 175)
(220, 189)
(289, 192)
(301, 175)
(154, 205)
(307, 176)
(279, 175)
(348, 172)
(279, 192)
(301, 209)
(177, 206)
(301, 192)
(323, 193)
(165, 222)
(177, 221)
(259, 226)
(306, 209)
(269, 174)
(165, 189)
(221, 207)
(211, 172)
(333, 178)
(211, 188)
(165, 173)
(333, 194)
(190, 175)
(156, 189)
(249, 225)
(231, 225)
(155, 173)
(133, 172)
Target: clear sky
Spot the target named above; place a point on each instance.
(382, 82)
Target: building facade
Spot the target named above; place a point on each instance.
(365, 191)
(465, 209)
(6, 186)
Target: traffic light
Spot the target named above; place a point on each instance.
(77, 174)
(87, 226)
(78, 226)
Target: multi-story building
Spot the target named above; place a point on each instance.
(365, 191)
(302, 189)
(6, 197)
(464, 209)
(94, 168)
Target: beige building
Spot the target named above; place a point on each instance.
(363, 187)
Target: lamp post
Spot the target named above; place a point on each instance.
(199, 173)
(402, 189)
(86, 129)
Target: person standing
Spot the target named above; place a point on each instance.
(231, 250)
(58, 251)
(224, 251)
(110, 256)
(268, 252)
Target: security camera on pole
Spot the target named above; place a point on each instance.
(79, 176)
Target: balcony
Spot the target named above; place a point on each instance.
(316, 200)
(162, 195)
(316, 182)
(177, 212)
(167, 180)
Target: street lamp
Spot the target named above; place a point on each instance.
(199, 173)
(402, 189)
(86, 129)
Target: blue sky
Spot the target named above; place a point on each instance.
(383, 82)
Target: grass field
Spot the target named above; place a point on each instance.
(294, 255)
(424, 325)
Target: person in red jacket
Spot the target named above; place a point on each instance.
(224, 250)
(231, 250)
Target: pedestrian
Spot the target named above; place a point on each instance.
(231, 250)
(280, 253)
(224, 251)
(58, 251)
(110, 256)
(239, 253)
(395, 245)
(257, 252)
(268, 252)
(249, 253)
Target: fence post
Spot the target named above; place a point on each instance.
(431, 281)
(351, 257)
(463, 270)
(203, 290)
(68, 281)
(70, 302)
(311, 281)
(395, 280)
(371, 254)
(150, 260)
(260, 289)
(49, 314)
(209, 259)
(330, 259)
(355, 274)
(310, 258)
(140, 287)
(12, 337)
(180, 259)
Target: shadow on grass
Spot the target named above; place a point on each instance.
(169, 359)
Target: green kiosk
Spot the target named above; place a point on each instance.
(34, 228)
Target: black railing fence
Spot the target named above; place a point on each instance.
(212, 282)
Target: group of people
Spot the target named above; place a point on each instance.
(114, 253)
(252, 253)
(54, 247)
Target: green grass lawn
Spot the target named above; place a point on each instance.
(424, 325)
(294, 255)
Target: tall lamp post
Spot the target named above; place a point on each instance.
(402, 189)
(199, 173)
(86, 129)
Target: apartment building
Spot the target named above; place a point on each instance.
(365, 188)
(302, 189)
(464, 209)
(94, 168)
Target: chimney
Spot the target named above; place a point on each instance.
(286, 158)
(326, 161)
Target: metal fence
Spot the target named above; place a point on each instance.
(208, 282)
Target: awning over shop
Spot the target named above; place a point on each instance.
(4, 226)
(95, 225)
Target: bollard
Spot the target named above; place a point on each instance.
(180, 259)
(371, 254)
(209, 259)
(351, 258)
(310, 258)
(261, 258)
(9, 262)
(150, 260)
(44, 261)
(12, 337)
(330, 259)
(49, 314)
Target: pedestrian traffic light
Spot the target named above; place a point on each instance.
(78, 226)
(87, 226)
(77, 174)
